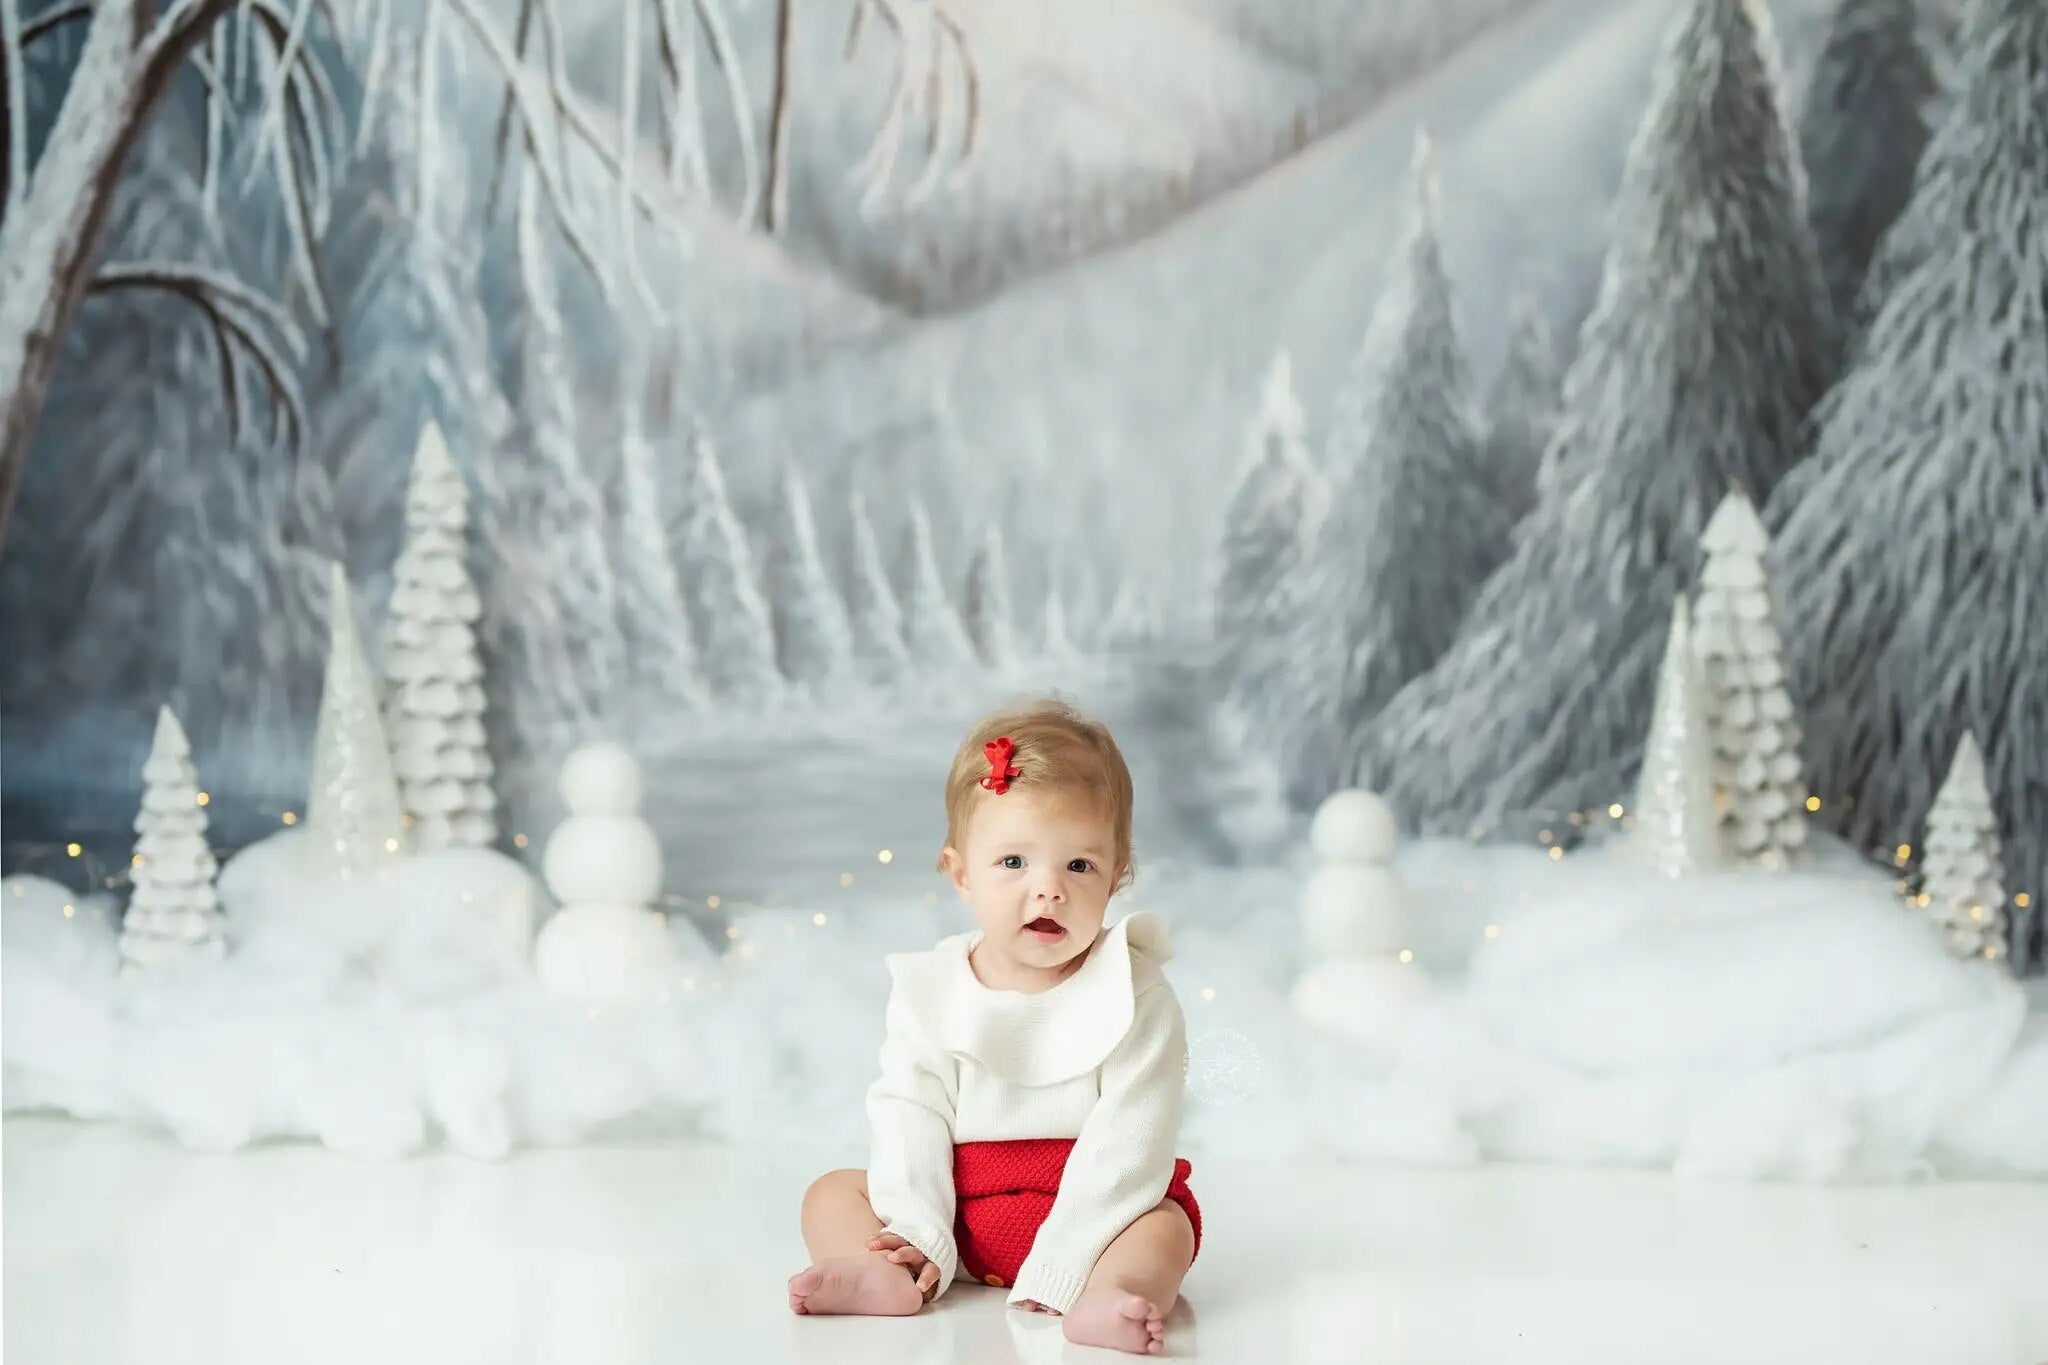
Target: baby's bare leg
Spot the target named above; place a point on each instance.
(1135, 1284)
(845, 1277)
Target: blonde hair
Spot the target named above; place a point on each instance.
(1057, 750)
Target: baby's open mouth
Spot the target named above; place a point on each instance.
(1046, 927)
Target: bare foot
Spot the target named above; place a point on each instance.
(855, 1284)
(1118, 1319)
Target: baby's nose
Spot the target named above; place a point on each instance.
(1050, 893)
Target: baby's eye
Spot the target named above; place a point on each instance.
(1013, 861)
(1079, 865)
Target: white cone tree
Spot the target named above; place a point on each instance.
(173, 914)
(736, 637)
(932, 629)
(1675, 819)
(990, 619)
(1963, 877)
(355, 820)
(434, 696)
(1757, 770)
(813, 636)
(877, 618)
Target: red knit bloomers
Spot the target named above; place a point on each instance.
(1004, 1190)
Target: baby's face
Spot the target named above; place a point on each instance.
(1032, 860)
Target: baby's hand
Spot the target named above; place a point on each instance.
(910, 1258)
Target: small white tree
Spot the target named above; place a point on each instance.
(173, 912)
(355, 822)
(732, 619)
(932, 628)
(1756, 738)
(434, 698)
(1675, 823)
(878, 620)
(1964, 876)
(991, 621)
(813, 637)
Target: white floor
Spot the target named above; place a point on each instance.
(121, 1247)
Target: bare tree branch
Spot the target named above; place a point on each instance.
(775, 207)
(727, 59)
(918, 88)
(501, 140)
(14, 108)
(50, 19)
(231, 310)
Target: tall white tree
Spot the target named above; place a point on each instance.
(990, 619)
(1676, 394)
(654, 618)
(1756, 735)
(1414, 523)
(355, 821)
(434, 696)
(173, 913)
(1962, 875)
(877, 618)
(931, 623)
(713, 557)
(1911, 558)
(1523, 414)
(1676, 827)
(1263, 543)
(813, 636)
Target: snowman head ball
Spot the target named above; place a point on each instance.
(1354, 826)
(601, 779)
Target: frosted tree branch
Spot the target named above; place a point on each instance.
(727, 59)
(14, 100)
(925, 36)
(49, 19)
(232, 311)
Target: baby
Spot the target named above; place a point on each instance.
(1025, 1121)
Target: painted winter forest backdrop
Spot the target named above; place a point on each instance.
(1356, 365)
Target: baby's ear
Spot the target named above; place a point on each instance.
(955, 867)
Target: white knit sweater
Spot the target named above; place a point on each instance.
(1101, 1058)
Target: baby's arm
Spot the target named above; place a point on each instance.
(1123, 1160)
(910, 1170)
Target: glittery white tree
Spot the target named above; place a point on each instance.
(877, 619)
(1963, 877)
(733, 629)
(173, 914)
(434, 697)
(355, 822)
(932, 628)
(813, 637)
(1676, 826)
(991, 621)
(1756, 737)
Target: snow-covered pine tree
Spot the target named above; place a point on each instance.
(355, 822)
(1911, 560)
(813, 636)
(1861, 132)
(566, 524)
(1676, 827)
(1262, 520)
(877, 619)
(736, 638)
(1414, 526)
(1523, 414)
(1756, 736)
(1707, 346)
(434, 696)
(654, 619)
(931, 623)
(1962, 875)
(173, 913)
(991, 622)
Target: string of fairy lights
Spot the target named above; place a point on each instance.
(1598, 821)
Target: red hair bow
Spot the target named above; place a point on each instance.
(1000, 771)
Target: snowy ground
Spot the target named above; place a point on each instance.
(123, 1249)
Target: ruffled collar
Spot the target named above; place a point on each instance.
(1033, 1038)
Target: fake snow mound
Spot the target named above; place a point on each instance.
(1737, 1025)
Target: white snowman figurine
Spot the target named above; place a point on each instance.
(605, 945)
(1356, 922)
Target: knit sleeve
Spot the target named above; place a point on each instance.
(1123, 1159)
(910, 1166)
